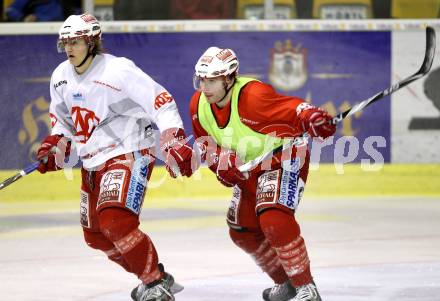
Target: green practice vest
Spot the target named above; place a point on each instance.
(237, 136)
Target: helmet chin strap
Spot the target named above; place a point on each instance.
(84, 60)
(89, 53)
(226, 91)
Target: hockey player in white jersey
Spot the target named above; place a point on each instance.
(105, 106)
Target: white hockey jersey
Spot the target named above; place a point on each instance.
(109, 110)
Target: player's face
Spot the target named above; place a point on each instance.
(213, 88)
(76, 50)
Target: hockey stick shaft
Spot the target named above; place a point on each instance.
(425, 67)
(25, 171)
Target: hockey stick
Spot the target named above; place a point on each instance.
(25, 171)
(426, 66)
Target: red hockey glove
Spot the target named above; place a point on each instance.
(222, 162)
(227, 171)
(49, 147)
(316, 122)
(178, 153)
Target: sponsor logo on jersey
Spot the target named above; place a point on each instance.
(288, 66)
(162, 99)
(136, 188)
(78, 96)
(289, 185)
(248, 121)
(61, 82)
(112, 183)
(85, 121)
(107, 85)
(267, 187)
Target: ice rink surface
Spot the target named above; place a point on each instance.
(373, 249)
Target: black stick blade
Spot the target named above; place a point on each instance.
(430, 51)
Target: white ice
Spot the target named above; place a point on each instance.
(360, 249)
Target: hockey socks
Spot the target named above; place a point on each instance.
(282, 231)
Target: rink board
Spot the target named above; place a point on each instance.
(57, 191)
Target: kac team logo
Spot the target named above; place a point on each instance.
(85, 121)
(288, 66)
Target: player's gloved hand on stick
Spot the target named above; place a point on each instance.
(179, 155)
(50, 146)
(316, 122)
(227, 171)
(223, 162)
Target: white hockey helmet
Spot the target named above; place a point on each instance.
(216, 62)
(84, 26)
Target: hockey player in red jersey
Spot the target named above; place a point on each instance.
(105, 106)
(237, 119)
